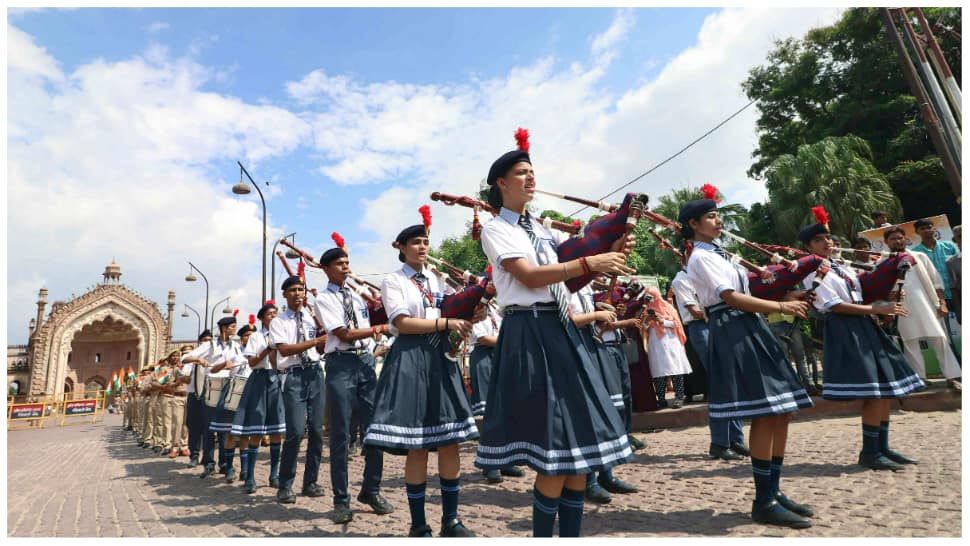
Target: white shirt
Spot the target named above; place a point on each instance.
(710, 274)
(921, 301)
(581, 302)
(329, 310)
(213, 352)
(834, 290)
(258, 341)
(283, 331)
(504, 238)
(684, 295)
(401, 295)
(488, 327)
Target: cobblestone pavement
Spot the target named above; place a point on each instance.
(92, 480)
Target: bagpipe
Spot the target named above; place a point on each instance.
(877, 280)
(595, 238)
(477, 205)
(367, 291)
(769, 282)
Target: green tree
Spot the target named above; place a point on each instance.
(836, 173)
(846, 79)
(463, 252)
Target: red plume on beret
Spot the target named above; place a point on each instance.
(821, 216)
(252, 319)
(577, 223)
(522, 138)
(269, 302)
(425, 211)
(339, 240)
(235, 312)
(489, 269)
(709, 192)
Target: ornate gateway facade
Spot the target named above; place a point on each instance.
(83, 341)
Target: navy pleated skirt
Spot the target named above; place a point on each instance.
(260, 406)
(480, 372)
(420, 401)
(606, 364)
(861, 362)
(548, 406)
(750, 374)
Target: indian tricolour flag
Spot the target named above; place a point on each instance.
(131, 373)
(165, 378)
(116, 382)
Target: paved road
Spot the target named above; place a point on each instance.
(91, 480)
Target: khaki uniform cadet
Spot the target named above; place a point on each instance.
(143, 415)
(157, 410)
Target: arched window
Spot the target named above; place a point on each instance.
(14, 388)
(69, 356)
(97, 358)
(129, 356)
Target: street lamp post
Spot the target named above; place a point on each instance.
(242, 188)
(198, 319)
(226, 310)
(191, 278)
(290, 253)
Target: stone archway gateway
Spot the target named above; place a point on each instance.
(111, 316)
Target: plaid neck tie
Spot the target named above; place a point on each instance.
(557, 289)
(847, 278)
(350, 318)
(300, 337)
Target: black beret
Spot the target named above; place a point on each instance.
(290, 281)
(506, 162)
(806, 234)
(266, 307)
(693, 210)
(205, 333)
(245, 329)
(331, 255)
(410, 232)
(226, 321)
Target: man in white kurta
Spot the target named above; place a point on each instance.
(923, 292)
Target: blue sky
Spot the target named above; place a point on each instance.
(138, 116)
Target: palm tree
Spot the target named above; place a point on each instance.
(836, 173)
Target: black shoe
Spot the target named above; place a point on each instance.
(455, 529)
(877, 461)
(513, 471)
(616, 486)
(250, 488)
(157, 449)
(677, 403)
(635, 442)
(740, 449)
(596, 494)
(377, 502)
(774, 513)
(341, 513)
(285, 496)
(141, 444)
(898, 457)
(800, 509)
(312, 490)
(422, 531)
(725, 453)
(231, 475)
(274, 482)
(493, 476)
(207, 471)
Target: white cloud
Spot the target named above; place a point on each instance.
(157, 26)
(132, 160)
(584, 141)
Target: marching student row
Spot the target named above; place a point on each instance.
(548, 374)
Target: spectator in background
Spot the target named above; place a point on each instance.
(861, 243)
(665, 347)
(956, 278)
(880, 219)
(938, 251)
